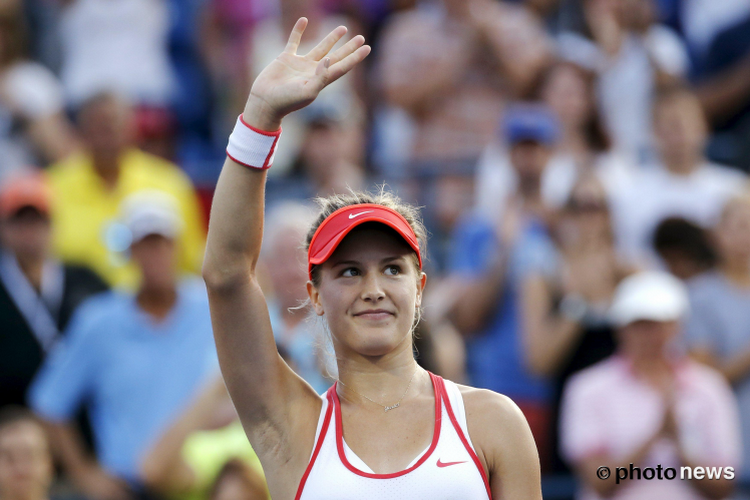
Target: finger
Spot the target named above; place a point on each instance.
(347, 49)
(326, 44)
(336, 71)
(296, 35)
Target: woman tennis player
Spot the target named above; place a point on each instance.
(387, 429)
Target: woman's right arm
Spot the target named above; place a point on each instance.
(274, 404)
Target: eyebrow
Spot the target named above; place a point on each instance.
(356, 262)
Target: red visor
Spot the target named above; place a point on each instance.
(337, 225)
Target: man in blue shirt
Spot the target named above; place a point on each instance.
(135, 360)
(489, 260)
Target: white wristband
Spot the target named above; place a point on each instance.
(251, 147)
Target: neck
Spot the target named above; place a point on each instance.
(651, 368)
(683, 165)
(383, 379)
(107, 166)
(32, 267)
(530, 189)
(157, 301)
(736, 271)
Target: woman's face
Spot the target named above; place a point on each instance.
(369, 291)
(587, 215)
(733, 232)
(567, 93)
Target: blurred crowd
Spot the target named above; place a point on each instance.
(582, 167)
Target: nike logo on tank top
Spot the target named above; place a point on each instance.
(448, 469)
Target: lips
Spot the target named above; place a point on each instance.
(374, 314)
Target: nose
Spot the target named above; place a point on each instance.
(372, 290)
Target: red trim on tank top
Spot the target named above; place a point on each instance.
(433, 445)
(463, 439)
(318, 445)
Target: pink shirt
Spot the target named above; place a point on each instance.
(607, 409)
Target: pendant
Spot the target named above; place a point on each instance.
(387, 408)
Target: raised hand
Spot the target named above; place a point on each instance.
(293, 81)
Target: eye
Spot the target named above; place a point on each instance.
(350, 272)
(393, 270)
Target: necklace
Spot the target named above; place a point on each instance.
(386, 409)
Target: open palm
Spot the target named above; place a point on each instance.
(293, 81)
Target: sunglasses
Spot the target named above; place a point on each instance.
(588, 206)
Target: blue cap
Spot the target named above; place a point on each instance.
(530, 122)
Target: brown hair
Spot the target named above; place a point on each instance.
(384, 198)
(14, 414)
(594, 129)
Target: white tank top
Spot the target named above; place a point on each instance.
(448, 469)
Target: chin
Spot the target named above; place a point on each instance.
(375, 341)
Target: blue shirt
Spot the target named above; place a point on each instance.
(135, 375)
(495, 358)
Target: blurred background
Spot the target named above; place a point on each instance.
(556, 147)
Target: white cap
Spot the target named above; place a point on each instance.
(151, 212)
(651, 295)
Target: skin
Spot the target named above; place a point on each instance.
(27, 235)
(25, 462)
(369, 304)
(107, 128)
(681, 132)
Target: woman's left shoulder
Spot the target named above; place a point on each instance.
(490, 410)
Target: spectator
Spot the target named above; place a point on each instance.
(450, 66)
(718, 331)
(237, 481)
(683, 247)
(38, 294)
(528, 130)
(331, 150)
(649, 406)
(285, 261)
(89, 188)
(565, 328)
(583, 145)
(135, 360)
(26, 469)
(724, 91)
(684, 185)
(490, 261)
(227, 34)
(330, 156)
(120, 47)
(632, 54)
(33, 126)
(189, 456)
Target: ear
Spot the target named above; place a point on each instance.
(314, 295)
(420, 288)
